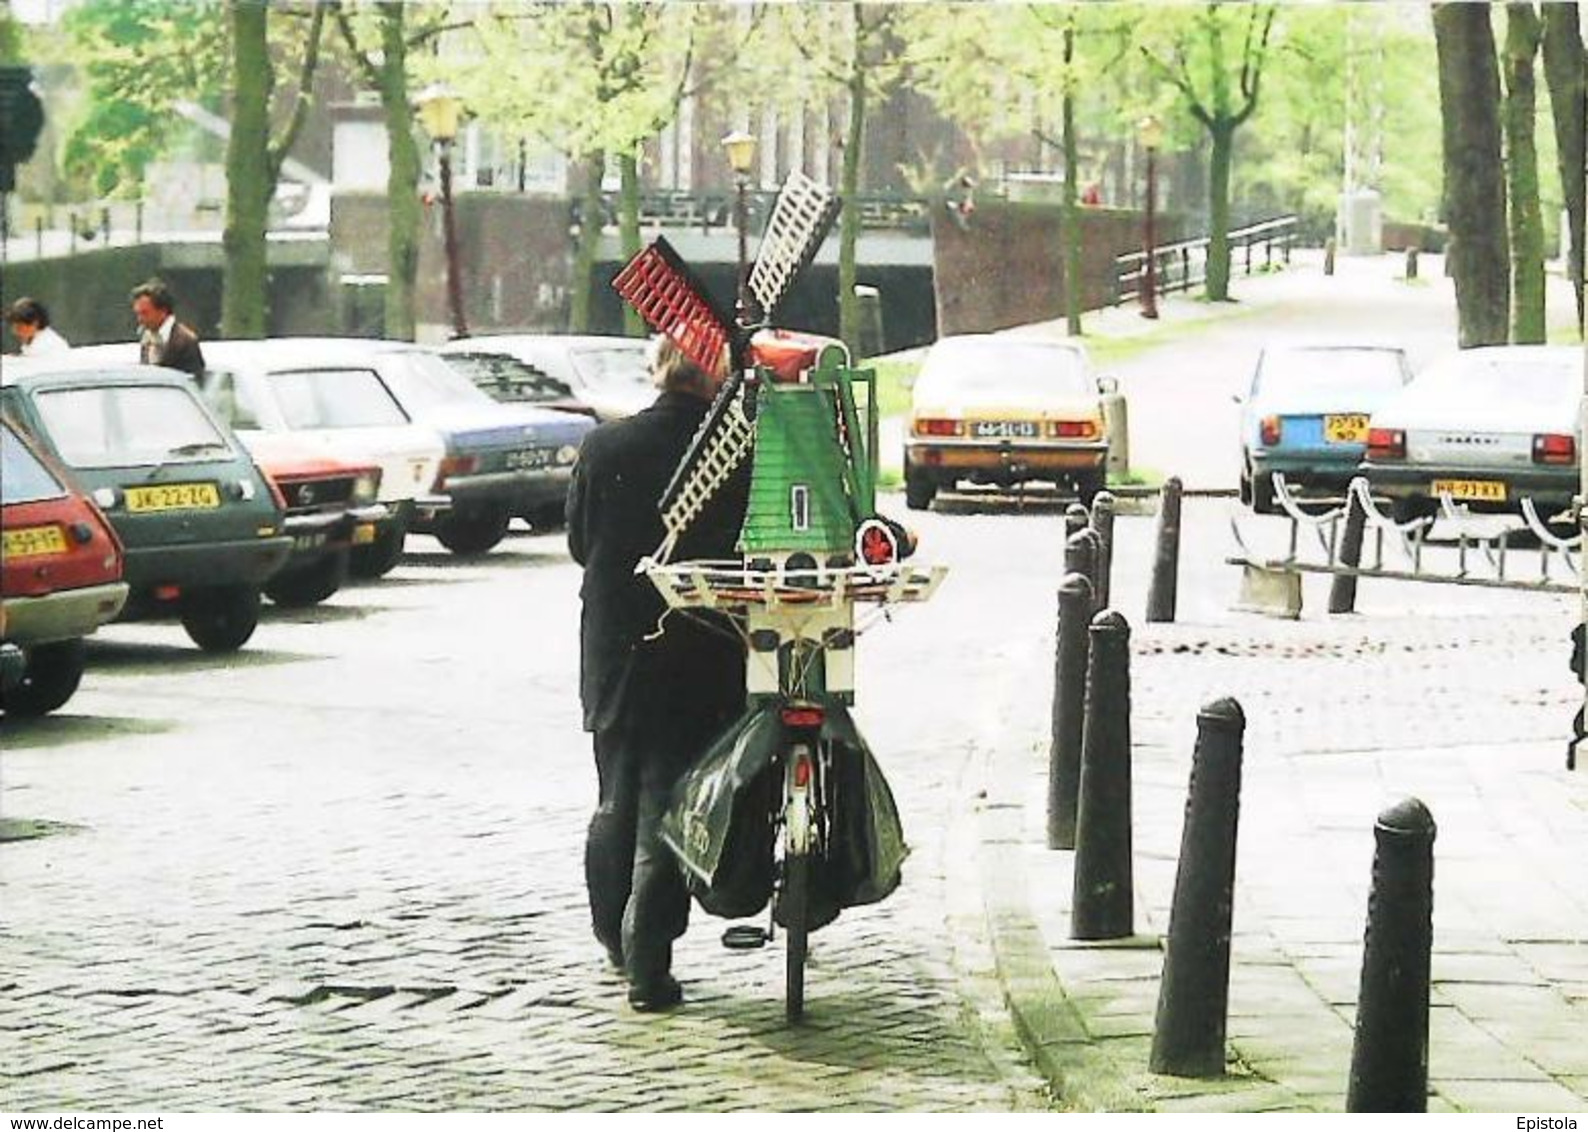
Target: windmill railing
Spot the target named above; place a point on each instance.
(1183, 265)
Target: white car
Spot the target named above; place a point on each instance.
(609, 375)
(1486, 427)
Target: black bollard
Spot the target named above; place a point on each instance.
(1069, 708)
(1328, 256)
(1165, 587)
(1102, 907)
(1194, 994)
(1080, 557)
(1342, 590)
(1102, 524)
(1075, 519)
(1389, 1059)
(1411, 262)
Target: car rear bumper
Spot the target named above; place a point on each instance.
(207, 564)
(1547, 487)
(63, 615)
(518, 490)
(1004, 461)
(1329, 469)
(315, 536)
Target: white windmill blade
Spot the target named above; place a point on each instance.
(800, 221)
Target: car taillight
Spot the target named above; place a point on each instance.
(455, 466)
(1269, 430)
(935, 426)
(1386, 444)
(1073, 430)
(1554, 448)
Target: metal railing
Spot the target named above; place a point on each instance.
(1184, 265)
(714, 211)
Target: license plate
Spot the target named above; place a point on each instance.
(174, 497)
(1345, 428)
(527, 458)
(308, 542)
(363, 534)
(1480, 491)
(1004, 428)
(26, 541)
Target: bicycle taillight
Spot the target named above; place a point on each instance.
(805, 715)
(802, 769)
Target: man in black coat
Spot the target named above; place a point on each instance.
(655, 694)
(164, 341)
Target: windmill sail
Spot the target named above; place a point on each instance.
(800, 221)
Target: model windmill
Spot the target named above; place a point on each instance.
(812, 544)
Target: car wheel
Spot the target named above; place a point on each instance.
(548, 517)
(379, 557)
(1405, 510)
(220, 618)
(52, 675)
(919, 490)
(473, 530)
(296, 589)
(1087, 487)
(1262, 493)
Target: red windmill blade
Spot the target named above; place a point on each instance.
(658, 285)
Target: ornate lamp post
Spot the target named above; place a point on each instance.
(440, 113)
(740, 147)
(1149, 132)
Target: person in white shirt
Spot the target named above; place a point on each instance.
(30, 322)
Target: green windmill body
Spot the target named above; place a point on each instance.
(806, 492)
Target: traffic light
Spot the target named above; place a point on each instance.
(21, 119)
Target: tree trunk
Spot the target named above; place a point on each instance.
(849, 220)
(1217, 286)
(1072, 213)
(1566, 74)
(1522, 32)
(249, 186)
(588, 246)
(1474, 200)
(629, 230)
(402, 181)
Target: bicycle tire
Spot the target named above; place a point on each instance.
(795, 905)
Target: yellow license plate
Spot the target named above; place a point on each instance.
(26, 541)
(1345, 428)
(1479, 491)
(174, 497)
(363, 534)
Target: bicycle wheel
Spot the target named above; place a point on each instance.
(796, 920)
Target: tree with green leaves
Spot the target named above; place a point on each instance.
(1220, 88)
(1523, 31)
(254, 158)
(1469, 97)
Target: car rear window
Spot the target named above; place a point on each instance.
(507, 378)
(1336, 370)
(999, 366)
(335, 398)
(23, 476)
(613, 367)
(423, 381)
(111, 426)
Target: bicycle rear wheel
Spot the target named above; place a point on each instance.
(795, 907)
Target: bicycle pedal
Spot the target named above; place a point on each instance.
(745, 937)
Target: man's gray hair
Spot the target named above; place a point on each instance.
(672, 371)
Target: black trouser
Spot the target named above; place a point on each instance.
(637, 894)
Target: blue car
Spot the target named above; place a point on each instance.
(1306, 415)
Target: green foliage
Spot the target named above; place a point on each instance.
(139, 57)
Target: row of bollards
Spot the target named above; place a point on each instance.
(1089, 811)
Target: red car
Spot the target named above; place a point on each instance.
(330, 508)
(60, 577)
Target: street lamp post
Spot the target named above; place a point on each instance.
(741, 156)
(440, 113)
(1149, 131)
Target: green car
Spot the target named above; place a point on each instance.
(201, 526)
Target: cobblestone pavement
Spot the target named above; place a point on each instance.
(342, 871)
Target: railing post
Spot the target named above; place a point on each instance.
(1342, 590)
(38, 237)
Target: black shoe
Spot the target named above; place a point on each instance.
(614, 956)
(648, 998)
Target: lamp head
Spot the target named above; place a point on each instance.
(1149, 131)
(741, 151)
(440, 111)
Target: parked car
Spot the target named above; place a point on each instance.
(201, 528)
(330, 509)
(326, 396)
(60, 576)
(1486, 427)
(1306, 414)
(1002, 409)
(611, 375)
(505, 378)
